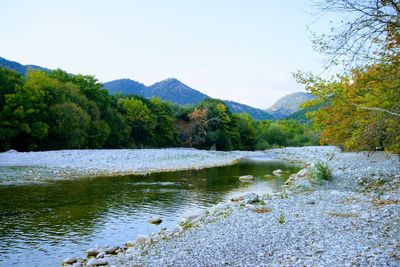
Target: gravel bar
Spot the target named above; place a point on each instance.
(353, 220)
(20, 167)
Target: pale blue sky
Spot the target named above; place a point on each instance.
(242, 50)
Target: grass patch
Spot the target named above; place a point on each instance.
(281, 218)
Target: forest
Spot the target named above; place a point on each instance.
(55, 110)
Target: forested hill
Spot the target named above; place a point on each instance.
(51, 110)
(175, 91)
(171, 90)
(23, 69)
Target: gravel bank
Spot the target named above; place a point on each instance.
(19, 167)
(353, 220)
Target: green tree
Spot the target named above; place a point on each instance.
(140, 119)
(70, 125)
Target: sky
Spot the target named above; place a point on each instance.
(240, 50)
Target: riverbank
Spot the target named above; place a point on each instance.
(353, 220)
(22, 167)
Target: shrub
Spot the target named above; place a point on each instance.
(322, 171)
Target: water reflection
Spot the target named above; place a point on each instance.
(41, 224)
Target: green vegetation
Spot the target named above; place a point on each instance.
(281, 218)
(363, 111)
(322, 171)
(55, 110)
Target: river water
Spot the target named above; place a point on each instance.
(40, 224)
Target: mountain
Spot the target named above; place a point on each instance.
(288, 104)
(126, 87)
(300, 115)
(174, 91)
(23, 69)
(255, 113)
(171, 90)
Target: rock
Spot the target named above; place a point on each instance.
(112, 250)
(247, 199)
(268, 176)
(93, 252)
(246, 177)
(77, 264)
(143, 239)
(69, 261)
(130, 244)
(297, 177)
(252, 198)
(189, 218)
(310, 202)
(100, 255)
(97, 262)
(278, 172)
(155, 220)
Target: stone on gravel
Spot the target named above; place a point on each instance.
(69, 261)
(97, 262)
(143, 240)
(112, 250)
(93, 252)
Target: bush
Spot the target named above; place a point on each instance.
(322, 171)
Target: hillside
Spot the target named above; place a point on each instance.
(288, 104)
(300, 115)
(126, 87)
(255, 113)
(175, 91)
(23, 69)
(170, 89)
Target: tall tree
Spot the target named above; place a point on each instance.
(367, 30)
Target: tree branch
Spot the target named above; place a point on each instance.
(376, 109)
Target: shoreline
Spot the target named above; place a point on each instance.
(28, 167)
(353, 220)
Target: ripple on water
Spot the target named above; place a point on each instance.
(44, 223)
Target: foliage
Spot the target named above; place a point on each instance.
(56, 110)
(368, 31)
(322, 171)
(281, 218)
(364, 113)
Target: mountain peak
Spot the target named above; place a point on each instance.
(289, 104)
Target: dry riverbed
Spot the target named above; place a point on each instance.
(21, 167)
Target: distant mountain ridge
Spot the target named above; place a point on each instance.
(175, 91)
(170, 89)
(23, 69)
(288, 104)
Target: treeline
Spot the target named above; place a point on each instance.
(55, 110)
